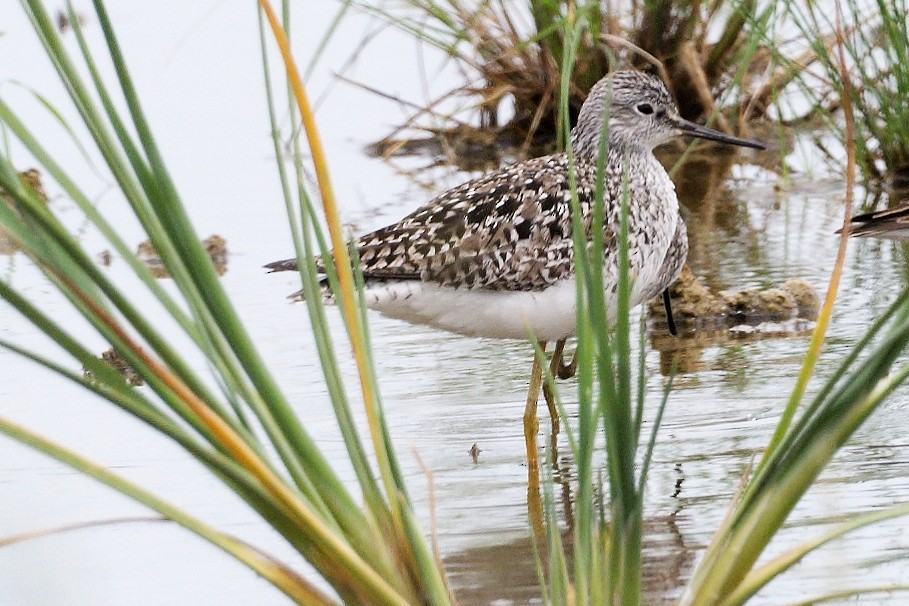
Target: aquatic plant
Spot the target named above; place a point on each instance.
(513, 53)
(741, 52)
(369, 553)
(875, 37)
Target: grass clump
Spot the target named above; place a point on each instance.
(513, 55)
(240, 427)
(875, 38)
(742, 53)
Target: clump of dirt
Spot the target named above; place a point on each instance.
(795, 298)
(116, 361)
(215, 246)
(806, 298)
(772, 303)
(694, 306)
(691, 300)
(31, 178)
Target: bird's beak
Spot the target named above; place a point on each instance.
(702, 132)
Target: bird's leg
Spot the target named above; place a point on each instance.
(565, 371)
(531, 422)
(559, 369)
(531, 426)
(667, 304)
(555, 367)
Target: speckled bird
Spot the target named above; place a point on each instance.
(494, 256)
(890, 223)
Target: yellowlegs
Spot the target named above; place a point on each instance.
(494, 257)
(892, 223)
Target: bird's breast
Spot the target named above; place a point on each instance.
(653, 224)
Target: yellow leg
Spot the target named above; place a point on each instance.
(531, 423)
(555, 366)
(531, 426)
(558, 369)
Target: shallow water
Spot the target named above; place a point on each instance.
(442, 393)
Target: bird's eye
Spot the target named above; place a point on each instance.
(645, 108)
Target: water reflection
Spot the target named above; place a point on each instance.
(482, 572)
(686, 353)
(714, 212)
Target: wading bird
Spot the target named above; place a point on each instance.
(494, 257)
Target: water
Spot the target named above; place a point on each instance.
(197, 69)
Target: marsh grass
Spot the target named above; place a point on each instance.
(244, 431)
(742, 53)
(875, 37)
(512, 56)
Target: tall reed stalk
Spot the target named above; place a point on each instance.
(371, 553)
(607, 538)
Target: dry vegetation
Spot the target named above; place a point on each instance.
(755, 58)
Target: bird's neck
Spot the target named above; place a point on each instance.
(586, 144)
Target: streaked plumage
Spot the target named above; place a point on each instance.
(494, 256)
(892, 223)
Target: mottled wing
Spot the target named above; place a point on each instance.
(889, 223)
(508, 230)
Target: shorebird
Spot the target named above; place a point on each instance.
(891, 223)
(494, 257)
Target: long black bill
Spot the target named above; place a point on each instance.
(702, 132)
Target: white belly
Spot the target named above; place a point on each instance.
(549, 314)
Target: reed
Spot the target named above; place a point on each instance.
(513, 54)
(875, 38)
(365, 553)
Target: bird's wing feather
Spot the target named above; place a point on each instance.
(891, 222)
(508, 230)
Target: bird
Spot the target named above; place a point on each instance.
(891, 223)
(494, 257)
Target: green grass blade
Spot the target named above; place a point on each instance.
(292, 585)
(759, 577)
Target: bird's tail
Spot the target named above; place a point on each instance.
(285, 265)
(291, 265)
